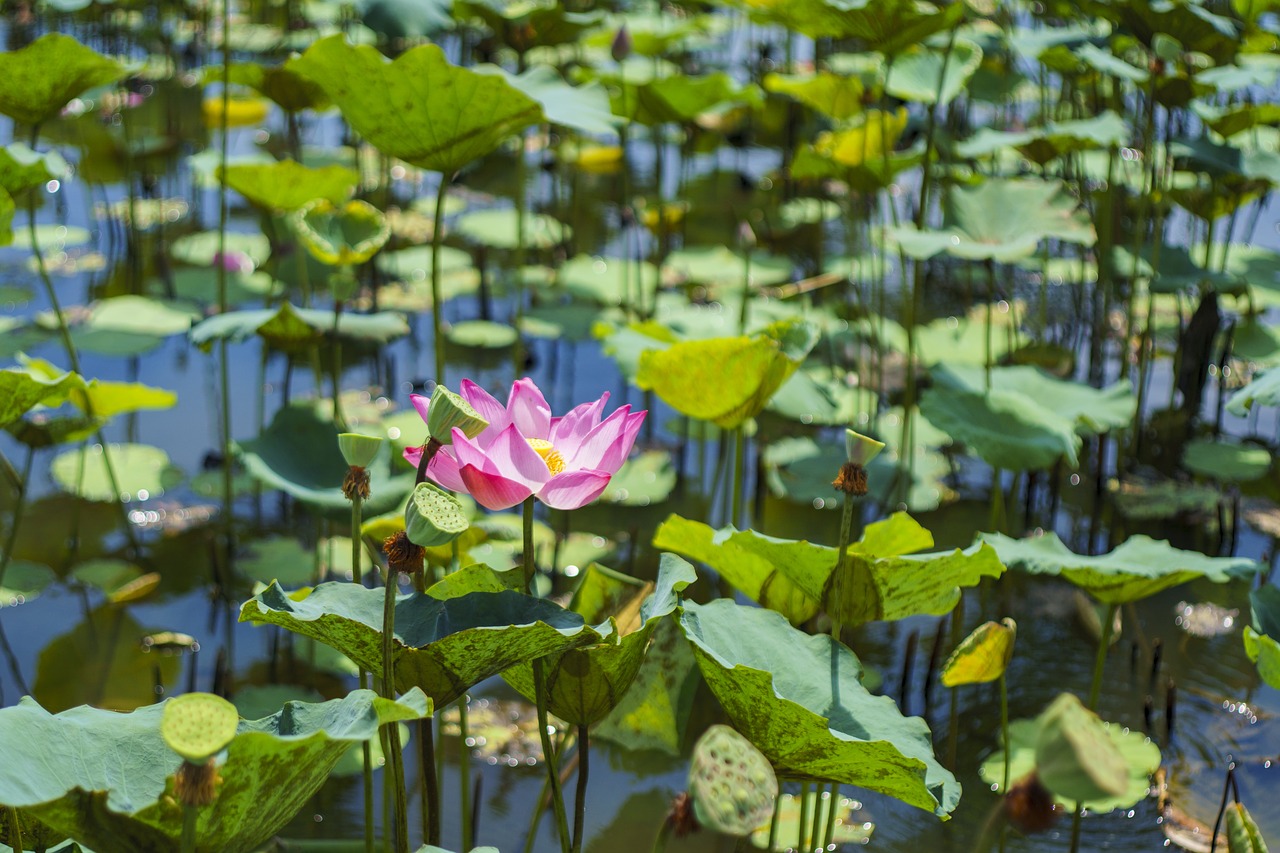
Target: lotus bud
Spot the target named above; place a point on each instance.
(621, 47)
(746, 235)
(447, 411)
(859, 451)
(198, 726)
(433, 517)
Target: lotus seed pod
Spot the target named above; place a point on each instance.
(1076, 758)
(859, 449)
(433, 516)
(447, 411)
(198, 726)
(732, 784)
(359, 450)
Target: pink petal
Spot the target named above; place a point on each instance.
(507, 455)
(492, 491)
(413, 455)
(573, 489)
(570, 429)
(629, 432)
(484, 403)
(591, 448)
(420, 402)
(528, 409)
(443, 468)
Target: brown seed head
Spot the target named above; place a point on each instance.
(403, 555)
(1029, 806)
(196, 784)
(852, 479)
(356, 483)
(683, 821)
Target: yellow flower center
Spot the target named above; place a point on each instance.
(549, 454)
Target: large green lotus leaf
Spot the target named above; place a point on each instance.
(1000, 219)
(395, 20)
(1260, 639)
(142, 472)
(585, 684)
(287, 186)
(442, 646)
(22, 169)
(800, 700)
(140, 315)
(1091, 410)
(834, 95)
(23, 389)
(298, 454)
(37, 81)
(498, 228)
(751, 574)
(581, 108)
(1053, 140)
(281, 83)
(725, 380)
(419, 108)
(927, 75)
(289, 328)
(101, 661)
(1226, 462)
(108, 399)
(1004, 428)
(106, 778)
(654, 714)
(1139, 568)
(886, 26)
(1139, 753)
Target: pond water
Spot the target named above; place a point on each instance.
(1199, 698)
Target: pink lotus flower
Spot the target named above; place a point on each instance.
(566, 462)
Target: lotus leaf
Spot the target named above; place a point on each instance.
(800, 700)
(794, 577)
(200, 285)
(23, 169)
(419, 108)
(866, 143)
(291, 328)
(298, 454)
(1000, 220)
(23, 581)
(581, 108)
(1003, 427)
(21, 390)
(1090, 410)
(142, 472)
(1140, 567)
(725, 380)
(1139, 754)
(280, 559)
(287, 186)
(200, 249)
(108, 781)
(482, 334)
(982, 656)
(442, 646)
(1263, 389)
(608, 281)
(1226, 462)
(1262, 638)
(653, 713)
(926, 75)
(1243, 835)
(497, 228)
(341, 236)
(291, 91)
(585, 684)
(42, 77)
(720, 268)
(835, 96)
(887, 27)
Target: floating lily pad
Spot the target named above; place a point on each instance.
(609, 281)
(1140, 567)
(24, 581)
(1226, 462)
(298, 454)
(113, 795)
(291, 328)
(202, 248)
(1002, 429)
(51, 238)
(444, 647)
(497, 228)
(482, 334)
(287, 185)
(142, 472)
(799, 699)
(200, 284)
(1090, 410)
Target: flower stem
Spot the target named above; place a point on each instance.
(427, 766)
(464, 773)
(19, 509)
(739, 465)
(189, 815)
(580, 805)
(393, 749)
(1004, 736)
(530, 569)
(1100, 662)
(15, 830)
(366, 749)
(437, 236)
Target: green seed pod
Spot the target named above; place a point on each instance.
(433, 516)
(1076, 758)
(198, 726)
(732, 784)
(358, 449)
(860, 449)
(448, 411)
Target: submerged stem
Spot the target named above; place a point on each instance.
(580, 804)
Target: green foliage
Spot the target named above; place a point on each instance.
(38, 80)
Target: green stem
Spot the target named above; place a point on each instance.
(842, 555)
(1004, 736)
(428, 769)
(437, 238)
(580, 804)
(366, 749)
(746, 289)
(739, 466)
(189, 815)
(464, 772)
(664, 833)
(393, 749)
(773, 822)
(19, 509)
(224, 369)
(15, 831)
(829, 834)
(802, 841)
(1100, 662)
(530, 569)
